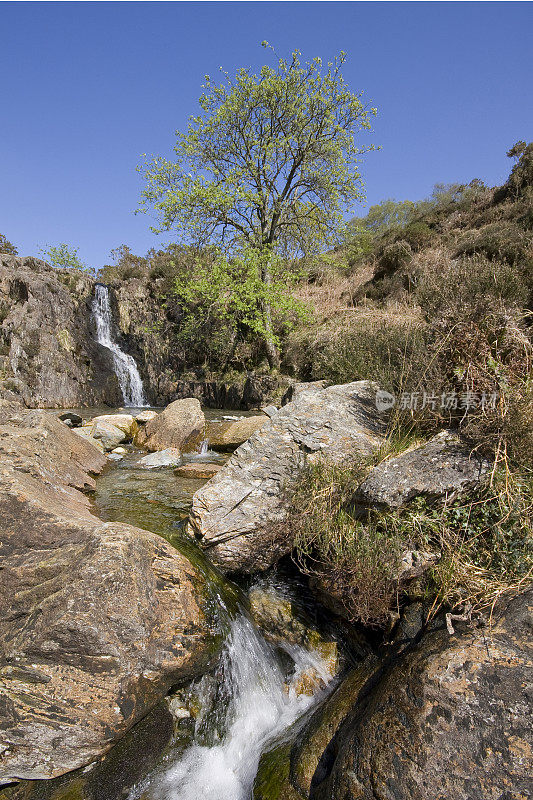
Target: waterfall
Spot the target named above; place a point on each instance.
(125, 367)
(259, 702)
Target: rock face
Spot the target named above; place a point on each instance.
(97, 620)
(227, 436)
(253, 393)
(180, 425)
(48, 353)
(231, 514)
(444, 467)
(451, 720)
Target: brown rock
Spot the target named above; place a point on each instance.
(197, 471)
(451, 720)
(180, 425)
(226, 436)
(124, 422)
(97, 620)
(53, 358)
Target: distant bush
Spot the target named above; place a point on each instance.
(504, 241)
(7, 247)
(418, 235)
(393, 258)
(62, 256)
(126, 266)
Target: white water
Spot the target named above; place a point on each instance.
(259, 705)
(125, 367)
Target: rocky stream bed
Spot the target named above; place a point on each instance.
(144, 657)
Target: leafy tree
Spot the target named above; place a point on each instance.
(6, 246)
(270, 164)
(62, 256)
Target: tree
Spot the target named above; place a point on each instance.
(62, 256)
(270, 164)
(7, 247)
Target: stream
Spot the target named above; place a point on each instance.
(253, 697)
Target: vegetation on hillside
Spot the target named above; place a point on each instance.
(481, 545)
(6, 246)
(61, 256)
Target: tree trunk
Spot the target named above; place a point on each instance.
(272, 352)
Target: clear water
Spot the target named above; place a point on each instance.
(255, 699)
(126, 370)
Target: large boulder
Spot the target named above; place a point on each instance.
(451, 719)
(232, 514)
(447, 718)
(179, 425)
(227, 436)
(443, 467)
(108, 434)
(124, 422)
(97, 620)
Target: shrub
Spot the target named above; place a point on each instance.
(418, 235)
(374, 346)
(482, 544)
(394, 257)
(504, 241)
(7, 247)
(62, 256)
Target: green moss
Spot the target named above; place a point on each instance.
(272, 780)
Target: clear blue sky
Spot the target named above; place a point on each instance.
(86, 88)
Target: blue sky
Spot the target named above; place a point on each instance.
(86, 88)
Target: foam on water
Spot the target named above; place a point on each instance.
(260, 704)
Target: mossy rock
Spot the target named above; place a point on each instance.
(272, 781)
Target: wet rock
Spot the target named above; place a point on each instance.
(444, 467)
(71, 419)
(163, 458)
(180, 425)
(282, 623)
(108, 434)
(288, 770)
(97, 620)
(120, 450)
(451, 719)
(124, 422)
(111, 776)
(200, 471)
(232, 515)
(227, 436)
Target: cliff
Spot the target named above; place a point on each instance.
(48, 353)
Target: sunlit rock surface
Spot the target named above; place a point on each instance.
(97, 620)
(231, 514)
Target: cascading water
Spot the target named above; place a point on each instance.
(259, 702)
(125, 367)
